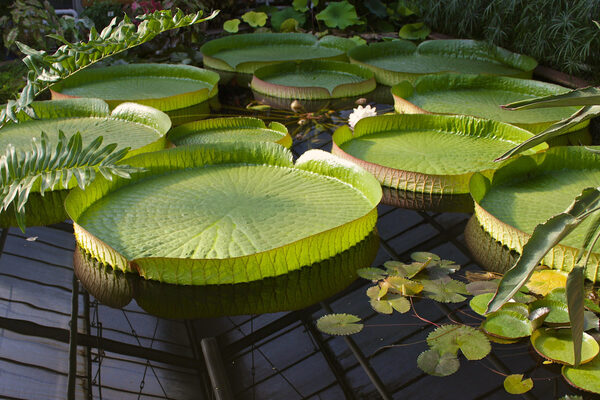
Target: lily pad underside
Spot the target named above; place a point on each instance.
(427, 153)
(532, 189)
(230, 130)
(481, 96)
(296, 290)
(225, 213)
(244, 53)
(400, 60)
(313, 80)
(162, 86)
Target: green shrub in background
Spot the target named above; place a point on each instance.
(558, 33)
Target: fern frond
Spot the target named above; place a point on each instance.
(47, 167)
(47, 69)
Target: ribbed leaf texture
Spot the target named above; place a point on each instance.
(50, 168)
(47, 69)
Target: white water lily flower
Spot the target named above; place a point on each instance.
(359, 113)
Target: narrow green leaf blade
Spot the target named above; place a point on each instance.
(575, 296)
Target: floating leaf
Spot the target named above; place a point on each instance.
(507, 325)
(300, 5)
(543, 282)
(398, 268)
(371, 274)
(231, 25)
(479, 303)
(481, 287)
(404, 286)
(585, 377)
(450, 338)
(255, 19)
(358, 40)
(289, 25)
(515, 384)
(444, 290)
(424, 257)
(390, 302)
(339, 324)
(559, 314)
(340, 14)
(557, 345)
(432, 363)
(591, 321)
(416, 31)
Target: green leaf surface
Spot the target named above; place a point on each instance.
(515, 384)
(255, 19)
(579, 97)
(432, 363)
(450, 338)
(245, 52)
(229, 130)
(416, 31)
(396, 61)
(426, 153)
(279, 17)
(479, 302)
(585, 377)
(300, 5)
(371, 274)
(507, 325)
(480, 96)
(339, 14)
(339, 324)
(557, 345)
(231, 25)
(162, 86)
(236, 200)
(312, 80)
(575, 296)
(444, 290)
(558, 314)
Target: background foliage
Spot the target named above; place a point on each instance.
(558, 33)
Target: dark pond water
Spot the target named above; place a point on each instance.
(141, 339)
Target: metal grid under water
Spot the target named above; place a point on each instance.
(129, 354)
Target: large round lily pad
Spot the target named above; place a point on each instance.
(225, 213)
(296, 290)
(399, 60)
(313, 80)
(138, 127)
(427, 153)
(244, 53)
(557, 345)
(585, 377)
(229, 130)
(169, 88)
(532, 189)
(481, 96)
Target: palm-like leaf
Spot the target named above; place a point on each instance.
(47, 69)
(48, 168)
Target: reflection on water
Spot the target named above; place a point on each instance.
(292, 291)
(427, 201)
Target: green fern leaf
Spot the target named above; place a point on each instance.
(55, 168)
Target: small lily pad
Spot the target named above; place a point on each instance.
(557, 345)
(404, 286)
(543, 282)
(339, 14)
(585, 377)
(479, 303)
(432, 363)
(339, 324)
(515, 384)
(507, 325)
(450, 338)
(444, 290)
(371, 274)
(559, 313)
(388, 303)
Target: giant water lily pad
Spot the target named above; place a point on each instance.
(245, 53)
(427, 153)
(225, 213)
(557, 345)
(229, 130)
(296, 290)
(585, 377)
(532, 189)
(169, 88)
(313, 80)
(399, 60)
(481, 96)
(138, 127)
